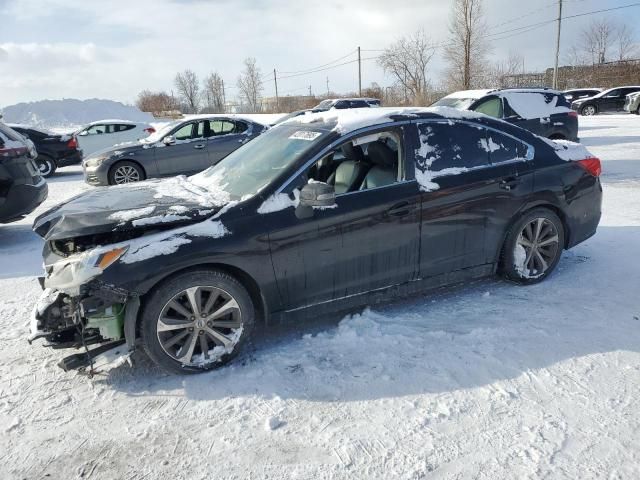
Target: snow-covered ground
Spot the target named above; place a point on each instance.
(488, 381)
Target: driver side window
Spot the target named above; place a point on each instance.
(364, 162)
(184, 132)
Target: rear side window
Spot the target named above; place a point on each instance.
(491, 107)
(503, 148)
(240, 127)
(451, 145)
(124, 127)
(221, 127)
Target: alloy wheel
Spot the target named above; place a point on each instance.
(126, 174)
(45, 167)
(589, 110)
(199, 325)
(537, 247)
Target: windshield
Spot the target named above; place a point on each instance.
(453, 102)
(161, 132)
(255, 165)
(324, 105)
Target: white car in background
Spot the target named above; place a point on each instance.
(107, 133)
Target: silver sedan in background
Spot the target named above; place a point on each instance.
(180, 147)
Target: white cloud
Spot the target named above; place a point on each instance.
(76, 48)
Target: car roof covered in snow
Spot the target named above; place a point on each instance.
(348, 120)
(470, 93)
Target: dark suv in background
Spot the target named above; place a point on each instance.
(542, 111)
(611, 101)
(22, 188)
(54, 151)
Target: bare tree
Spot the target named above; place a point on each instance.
(467, 48)
(598, 38)
(156, 102)
(250, 85)
(624, 41)
(189, 90)
(213, 90)
(407, 61)
(498, 74)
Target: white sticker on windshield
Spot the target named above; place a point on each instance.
(305, 135)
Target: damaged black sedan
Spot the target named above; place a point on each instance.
(322, 213)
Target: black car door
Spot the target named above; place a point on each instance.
(608, 102)
(467, 199)
(369, 240)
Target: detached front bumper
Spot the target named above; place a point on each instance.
(99, 323)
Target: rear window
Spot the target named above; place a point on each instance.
(10, 138)
(530, 105)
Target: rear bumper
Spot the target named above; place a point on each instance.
(583, 215)
(21, 200)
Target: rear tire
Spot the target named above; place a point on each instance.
(196, 321)
(588, 110)
(533, 247)
(125, 172)
(46, 165)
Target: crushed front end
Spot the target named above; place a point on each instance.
(77, 310)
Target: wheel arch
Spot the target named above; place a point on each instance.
(532, 206)
(246, 280)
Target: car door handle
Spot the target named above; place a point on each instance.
(400, 209)
(508, 183)
(199, 146)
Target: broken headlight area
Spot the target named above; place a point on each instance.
(92, 322)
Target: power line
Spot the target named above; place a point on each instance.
(321, 66)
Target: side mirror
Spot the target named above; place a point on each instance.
(169, 140)
(317, 194)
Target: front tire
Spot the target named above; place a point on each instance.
(196, 321)
(125, 172)
(533, 247)
(46, 166)
(588, 110)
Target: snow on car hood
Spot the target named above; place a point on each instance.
(143, 205)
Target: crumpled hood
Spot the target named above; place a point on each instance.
(145, 205)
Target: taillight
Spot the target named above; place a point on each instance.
(150, 130)
(573, 114)
(591, 165)
(73, 143)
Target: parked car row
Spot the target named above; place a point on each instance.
(607, 101)
(321, 213)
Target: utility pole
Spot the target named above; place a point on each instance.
(275, 80)
(310, 91)
(224, 98)
(555, 68)
(327, 86)
(359, 73)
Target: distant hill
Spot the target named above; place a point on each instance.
(70, 112)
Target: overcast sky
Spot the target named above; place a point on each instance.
(113, 48)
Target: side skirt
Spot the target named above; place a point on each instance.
(381, 295)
